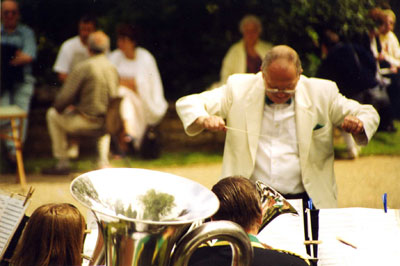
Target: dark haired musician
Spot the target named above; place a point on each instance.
(240, 202)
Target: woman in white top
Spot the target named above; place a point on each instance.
(389, 42)
(143, 101)
(387, 73)
(244, 56)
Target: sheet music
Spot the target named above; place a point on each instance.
(286, 231)
(11, 213)
(374, 233)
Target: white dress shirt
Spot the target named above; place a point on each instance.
(277, 160)
(72, 52)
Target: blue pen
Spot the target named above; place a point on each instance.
(310, 204)
(384, 198)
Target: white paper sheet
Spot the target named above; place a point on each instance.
(11, 213)
(286, 231)
(374, 233)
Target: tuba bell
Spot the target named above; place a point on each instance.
(144, 217)
(273, 204)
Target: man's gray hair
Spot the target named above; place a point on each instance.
(281, 52)
(98, 42)
(249, 19)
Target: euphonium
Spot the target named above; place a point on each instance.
(273, 204)
(144, 217)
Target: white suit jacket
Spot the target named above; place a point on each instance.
(319, 107)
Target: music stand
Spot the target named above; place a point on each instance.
(12, 221)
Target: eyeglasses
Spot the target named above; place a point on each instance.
(276, 90)
(288, 90)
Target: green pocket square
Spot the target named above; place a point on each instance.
(318, 126)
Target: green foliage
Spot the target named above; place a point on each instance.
(167, 159)
(157, 205)
(384, 143)
(190, 38)
(381, 144)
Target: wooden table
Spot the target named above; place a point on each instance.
(14, 113)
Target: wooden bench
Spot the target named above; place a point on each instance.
(172, 136)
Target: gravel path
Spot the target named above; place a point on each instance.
(361, 182)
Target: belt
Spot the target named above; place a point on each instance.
(92, 118)
(302, 195)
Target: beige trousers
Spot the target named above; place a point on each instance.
(61, 125)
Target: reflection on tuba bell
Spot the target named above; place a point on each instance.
(143, 215)
(273, 204)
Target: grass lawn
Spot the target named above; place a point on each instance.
(34, 165)
(381, 144)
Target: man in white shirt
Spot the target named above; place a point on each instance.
(279, 126)
(74, 50)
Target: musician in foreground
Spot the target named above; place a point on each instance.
(280, 125)
(53, 236)
(240, 202)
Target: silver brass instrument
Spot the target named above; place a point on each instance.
(273, 204)
(144, 216)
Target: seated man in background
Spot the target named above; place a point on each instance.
(73, 51)
(240, 202)
(82, 103)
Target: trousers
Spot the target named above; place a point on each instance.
(21, 97)
(60, 125)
